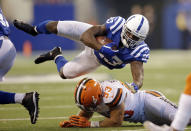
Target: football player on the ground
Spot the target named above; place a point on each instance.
(127, 36)
(117, 103)
(7, 57)
(183, 115)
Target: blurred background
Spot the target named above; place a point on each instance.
(170, 20)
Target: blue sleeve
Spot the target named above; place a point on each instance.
(141, 53)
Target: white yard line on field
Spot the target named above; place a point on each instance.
(51, 78)
(42, 118)
(41, 107)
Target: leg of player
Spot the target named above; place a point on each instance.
(7, 56)
(82, 64)
(85, 62)
(68, 29)
(28, 100)
(183, 114)
(159, 109)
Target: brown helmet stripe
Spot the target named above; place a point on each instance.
(77, 87)
(83, 82)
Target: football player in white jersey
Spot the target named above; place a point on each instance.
(7, 57)
(127, 36)
(117, 103)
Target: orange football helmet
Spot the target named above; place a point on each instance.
(88, 94)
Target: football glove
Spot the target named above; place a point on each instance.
(65, 124)
(25, 27)
(78, 121)
(132, 87)
(107, 51)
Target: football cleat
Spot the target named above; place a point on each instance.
(49, 55)
(30, 102)
(25, 27)
(152, 127)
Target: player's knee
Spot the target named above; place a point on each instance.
(62, 75)
(52, 27)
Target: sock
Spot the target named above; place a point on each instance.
(19, 97)
(60, 62)
(187, 89)
(183, 113)
(41, 27)
(7, 98)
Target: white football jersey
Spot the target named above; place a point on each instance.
(114, 93)
(139, 107)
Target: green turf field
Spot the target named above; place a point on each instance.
(165, 71)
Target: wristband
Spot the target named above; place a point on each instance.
(136, 88)
(94, 124)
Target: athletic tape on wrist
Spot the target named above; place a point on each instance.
(94, 124)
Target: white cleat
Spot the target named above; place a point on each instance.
(152, 127)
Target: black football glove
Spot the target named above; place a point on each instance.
(25, 27)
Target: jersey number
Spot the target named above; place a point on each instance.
(107, 91)
(116, 60)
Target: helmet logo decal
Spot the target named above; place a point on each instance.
(94, 100)
(140, 25)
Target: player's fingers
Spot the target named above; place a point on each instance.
(74, 117)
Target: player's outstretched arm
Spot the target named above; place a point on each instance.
(82, 120)
(45, 27)
(137, 73)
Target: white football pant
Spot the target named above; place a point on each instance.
(159, 111)
(7, 56)
(86, 61)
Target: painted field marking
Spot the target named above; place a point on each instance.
(42, 118)
(51, 78)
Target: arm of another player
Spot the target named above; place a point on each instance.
(116, 117)
(82, 120)
(137, 73)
